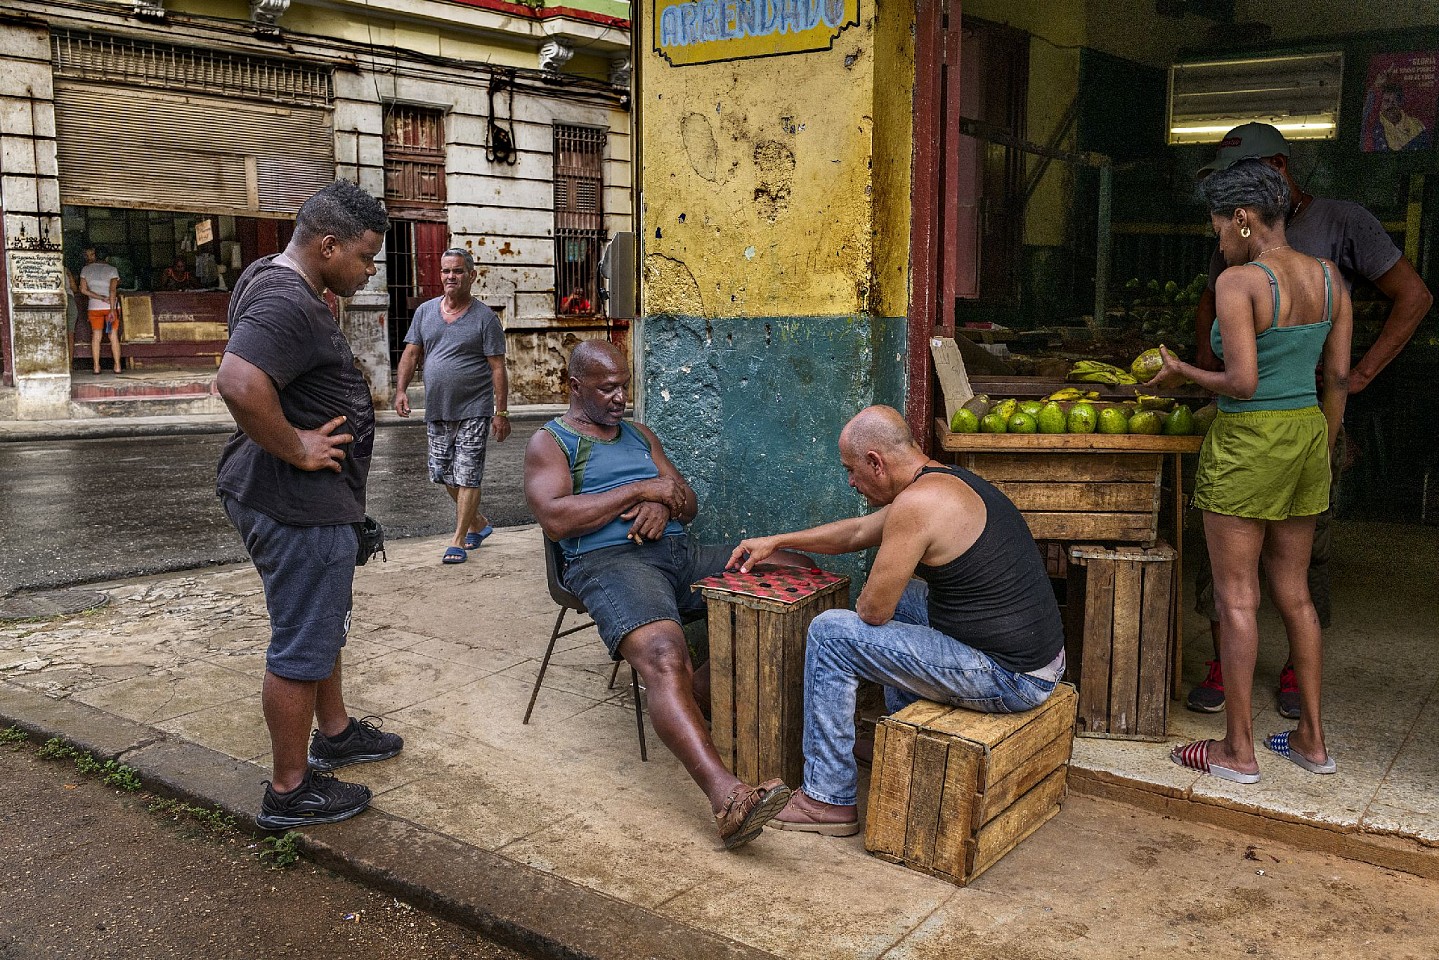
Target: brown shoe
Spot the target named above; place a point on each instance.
(747, 809)
(808, 815)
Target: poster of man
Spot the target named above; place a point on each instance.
(1400, 100)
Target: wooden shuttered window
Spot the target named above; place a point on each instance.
(579, 217)
(414, 158)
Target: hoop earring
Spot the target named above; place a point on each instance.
(1244, 231)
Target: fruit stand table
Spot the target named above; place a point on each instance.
(1084, 488)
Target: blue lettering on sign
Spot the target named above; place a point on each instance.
(706, 21)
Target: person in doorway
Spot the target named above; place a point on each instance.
(603, 488)
(978, 629)
(100, 283)
(462, 345)
(292, 481)
(1264, 469)
(1350, 237)
(176, 276)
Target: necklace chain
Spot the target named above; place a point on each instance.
(314, 288)
(1282, 246)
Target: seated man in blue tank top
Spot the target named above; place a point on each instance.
(603, 488)
(979, 629)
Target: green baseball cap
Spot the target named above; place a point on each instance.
(1245, 141)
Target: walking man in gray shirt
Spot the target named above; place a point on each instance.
(462, 345)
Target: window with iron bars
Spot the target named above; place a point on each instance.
(579, 218)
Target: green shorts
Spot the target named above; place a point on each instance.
(1265, 465)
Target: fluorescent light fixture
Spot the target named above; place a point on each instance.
(1297, 94)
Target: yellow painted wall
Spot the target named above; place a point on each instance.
(757, 190)
(893, 176)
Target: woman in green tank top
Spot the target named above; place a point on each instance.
(1263, 472)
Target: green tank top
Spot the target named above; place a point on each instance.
(1287, 356)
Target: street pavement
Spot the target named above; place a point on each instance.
(555, 834)
(80, 509)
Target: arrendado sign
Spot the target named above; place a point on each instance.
(708, 31)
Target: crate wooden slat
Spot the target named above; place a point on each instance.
(757, 679)
(953, 790)
(1119, 622)
(1060, 442)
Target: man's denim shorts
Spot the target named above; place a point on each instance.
(630, 585)
(308, 573)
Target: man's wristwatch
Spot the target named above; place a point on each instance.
(502, 413)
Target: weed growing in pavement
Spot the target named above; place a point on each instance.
(112, 772)
(212, 820)
(280, 852)
(12, 735)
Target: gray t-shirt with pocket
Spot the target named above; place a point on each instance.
(458, 382)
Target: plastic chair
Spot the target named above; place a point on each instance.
(554, 563)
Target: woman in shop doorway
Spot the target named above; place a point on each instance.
(100, 282)
(1263, 471)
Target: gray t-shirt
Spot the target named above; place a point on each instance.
(1336, 230)
(458, 382)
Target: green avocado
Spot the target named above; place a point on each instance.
(1145, 421)
(964, 421)
(1112, 420)
(1022, 422)
(1031, 407)
(1051, 418)
(1082, 418)
(992, 423)
(1180, 423)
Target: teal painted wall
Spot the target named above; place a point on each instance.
(750, 409)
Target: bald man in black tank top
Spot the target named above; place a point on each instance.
(979, 629)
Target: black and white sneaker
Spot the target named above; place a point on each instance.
(362, 742)
(320, 798)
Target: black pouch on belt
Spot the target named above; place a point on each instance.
(372, 541)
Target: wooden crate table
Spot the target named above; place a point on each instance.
(953, 790)
(757, 624)
(1118, 634)
(1084, 488)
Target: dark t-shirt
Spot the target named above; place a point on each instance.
(996, 597)
(1336, 230)
(278, 324)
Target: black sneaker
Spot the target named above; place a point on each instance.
(362, 742)
(1208, 696)
(320, 798)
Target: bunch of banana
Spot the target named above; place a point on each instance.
(1069, 394)
(1095, 371)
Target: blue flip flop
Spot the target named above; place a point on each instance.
(1279, 743)
(474, 540)
(454, 555)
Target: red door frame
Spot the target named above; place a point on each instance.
(934, 254)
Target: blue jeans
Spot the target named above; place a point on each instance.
(913, 661)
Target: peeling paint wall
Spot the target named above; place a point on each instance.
(775, 252)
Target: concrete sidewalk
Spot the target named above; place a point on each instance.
(556, 837)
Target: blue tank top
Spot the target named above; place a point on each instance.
(1287, 357)
(599, 465)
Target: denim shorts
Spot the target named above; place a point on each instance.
(308, 573)
(457, 451)
(629, 585)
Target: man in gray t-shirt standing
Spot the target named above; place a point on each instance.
(462, 345)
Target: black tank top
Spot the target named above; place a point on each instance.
(996, 596)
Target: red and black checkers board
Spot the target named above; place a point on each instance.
(786, 585)
(757, 624)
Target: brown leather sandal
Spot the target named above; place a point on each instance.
(747, 809)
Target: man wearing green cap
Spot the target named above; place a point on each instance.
(1356, 241)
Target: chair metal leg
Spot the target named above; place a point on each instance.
(614, 672)
(639, 713)
(544, 665)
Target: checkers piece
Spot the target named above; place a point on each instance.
(766, 582)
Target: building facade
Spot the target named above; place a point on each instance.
(182, 137)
